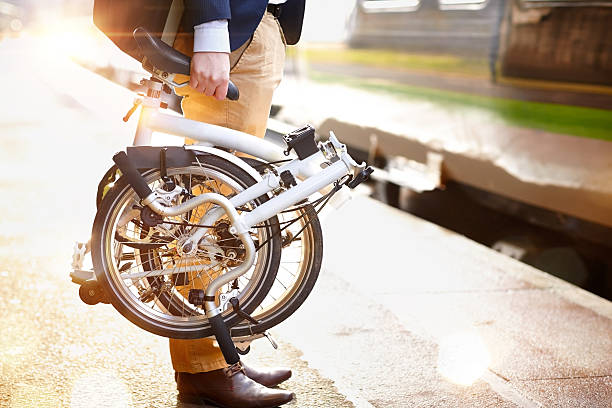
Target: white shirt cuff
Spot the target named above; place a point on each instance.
(212, 36)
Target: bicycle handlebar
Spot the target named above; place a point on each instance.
(164, 57)
(233, 94)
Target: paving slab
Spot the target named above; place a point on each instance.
(372, 356)
(530, 334)
(570, 392)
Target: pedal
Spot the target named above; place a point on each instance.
(236, 306)
(80, 276)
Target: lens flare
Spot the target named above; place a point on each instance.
(463, 358)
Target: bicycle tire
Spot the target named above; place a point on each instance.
(102, 235)
(308, 277)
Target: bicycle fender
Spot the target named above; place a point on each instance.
(148, 157)
(226, 156)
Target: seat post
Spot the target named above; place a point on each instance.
(151, 103)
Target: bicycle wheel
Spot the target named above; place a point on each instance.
(145, 274)
(299, 268)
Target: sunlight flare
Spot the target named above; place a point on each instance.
(463, 358)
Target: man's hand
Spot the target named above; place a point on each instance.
(210, 73)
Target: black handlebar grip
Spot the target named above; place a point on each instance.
(222, 335)
(232, 92)
(132, 175)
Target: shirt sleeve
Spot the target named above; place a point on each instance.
(212, 36)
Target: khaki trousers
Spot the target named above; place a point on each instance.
(257, 69)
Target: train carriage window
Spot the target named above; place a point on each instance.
(472, 5)
(390, 6)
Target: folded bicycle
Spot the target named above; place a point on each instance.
(194, 241)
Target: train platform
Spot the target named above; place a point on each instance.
(473, 145)
(404, 314)
(408, 314)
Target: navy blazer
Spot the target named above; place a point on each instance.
(244, 17)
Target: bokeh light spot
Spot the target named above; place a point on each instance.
(463, 358)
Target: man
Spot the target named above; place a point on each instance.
(244, 39)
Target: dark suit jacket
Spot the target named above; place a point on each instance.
(244, 17)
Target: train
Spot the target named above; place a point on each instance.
(553, 40)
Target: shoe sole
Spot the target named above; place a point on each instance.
(197, 400)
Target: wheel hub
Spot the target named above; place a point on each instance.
(184, 247)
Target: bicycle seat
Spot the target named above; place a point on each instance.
(160, 54)
(165, 58)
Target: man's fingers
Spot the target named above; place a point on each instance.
(210, 73)
(201, 87)
(210, 89)
(221, 91)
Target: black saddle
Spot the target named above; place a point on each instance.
(161, 55)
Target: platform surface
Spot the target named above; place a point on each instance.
(428, 310)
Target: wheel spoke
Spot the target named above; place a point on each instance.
(161, 277)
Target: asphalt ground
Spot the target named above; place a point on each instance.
(405, 313)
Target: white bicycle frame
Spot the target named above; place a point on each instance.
(330, 164)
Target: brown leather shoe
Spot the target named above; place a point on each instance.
(270, 377)
(228, 388)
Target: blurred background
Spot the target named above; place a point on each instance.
(490, 118)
